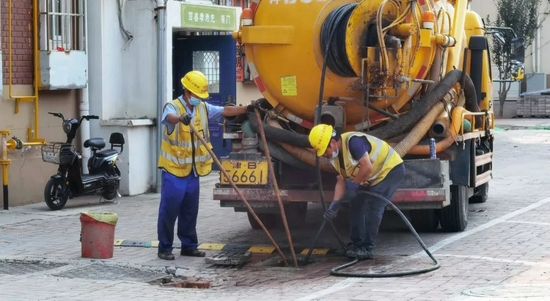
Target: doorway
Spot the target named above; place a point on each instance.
(215, 56)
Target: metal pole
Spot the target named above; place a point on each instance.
(239, 193)
(276, 186)
(161, 82)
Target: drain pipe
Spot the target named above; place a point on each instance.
(161, 80)
(84, 106)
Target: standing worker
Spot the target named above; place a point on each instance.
(183, 159)
(365, 163)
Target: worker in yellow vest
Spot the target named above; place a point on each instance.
(363, 162)
(183, 159)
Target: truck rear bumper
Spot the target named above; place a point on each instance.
(425, 186)
(403, 198)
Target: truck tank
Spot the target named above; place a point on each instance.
(380, 56)
(403, 71)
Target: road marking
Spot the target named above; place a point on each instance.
(350, 281)
(315, 252)
(530, 223)
(485, 226)
(261, 249)
(503, 260)
(333, 289)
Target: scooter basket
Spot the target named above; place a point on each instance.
(58, 153)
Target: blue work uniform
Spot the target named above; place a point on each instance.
(366, 211)
(180, 195)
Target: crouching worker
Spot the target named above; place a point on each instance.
(366, 163)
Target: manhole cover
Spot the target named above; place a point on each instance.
(511, 291)
(20, 268)
(104, 272)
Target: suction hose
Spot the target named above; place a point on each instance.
(422, 127)
(337, 270)
(407, 121)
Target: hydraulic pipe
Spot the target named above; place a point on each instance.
(276, 187)
(238, 192)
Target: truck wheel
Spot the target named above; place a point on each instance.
(481, 195)
(425, 220)
(268, 219)
(454, 218)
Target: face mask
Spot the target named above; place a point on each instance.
(335, 154)
(194, 101)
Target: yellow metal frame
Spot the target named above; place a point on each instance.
(32, 134)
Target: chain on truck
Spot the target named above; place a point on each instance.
(403, 71)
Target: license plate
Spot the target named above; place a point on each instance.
(245, 172)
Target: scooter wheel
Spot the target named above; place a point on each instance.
(53, 194)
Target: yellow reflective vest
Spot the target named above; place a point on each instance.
(382, 157)
(182, 150)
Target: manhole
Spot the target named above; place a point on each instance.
(105, 272)
(20, 268)
(511, 291)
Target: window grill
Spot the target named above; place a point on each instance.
(208, 62)
(62, 25)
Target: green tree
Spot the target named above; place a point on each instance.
(523, 17)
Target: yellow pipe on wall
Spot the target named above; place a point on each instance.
(33, 134)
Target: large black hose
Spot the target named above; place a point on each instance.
(280, 135)
(407, 121)
(279, 153)
(335, 53)
(471, 97)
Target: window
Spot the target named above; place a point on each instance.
(208, 62)
(62, 25)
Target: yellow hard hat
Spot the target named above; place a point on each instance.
(196, 83)
(319, 138)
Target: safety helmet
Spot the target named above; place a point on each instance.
(319, 138)
(196, 83)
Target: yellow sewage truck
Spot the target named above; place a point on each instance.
(400, 70)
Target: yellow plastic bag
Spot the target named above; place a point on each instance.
(104, 217)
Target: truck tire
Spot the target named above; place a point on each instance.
(424, 220)
(268, 219)
(454, 218)
(481, 195)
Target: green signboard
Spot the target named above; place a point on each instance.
(208, 17)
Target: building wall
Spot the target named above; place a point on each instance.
(27, 174)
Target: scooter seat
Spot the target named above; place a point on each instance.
(106, 153)
(98, 143)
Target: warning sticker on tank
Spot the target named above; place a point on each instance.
(288, 85)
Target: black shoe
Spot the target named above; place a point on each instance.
(194, 253)
(166, 256)
(360, 253)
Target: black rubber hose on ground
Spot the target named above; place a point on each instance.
(337, 270)
(407, 121)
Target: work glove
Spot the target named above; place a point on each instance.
(351, 191)
(185, 119)
(332, 210)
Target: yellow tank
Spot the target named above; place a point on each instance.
(283, 40)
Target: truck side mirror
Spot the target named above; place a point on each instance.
(518, 50)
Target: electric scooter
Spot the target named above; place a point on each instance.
(69, 181)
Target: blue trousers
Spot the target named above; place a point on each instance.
(366, 211)
(179, 198)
